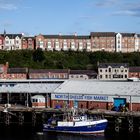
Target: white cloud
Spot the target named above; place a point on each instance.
(9, 4)
(125, 12)
(6, 6)
(107, 3)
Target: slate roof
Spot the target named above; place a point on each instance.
(12, 36)
(134, 69)
(67, 36)
(128, 34)
(113, 65)
(48, 70)
(17, 70)
(31, 37)
(87, 72)
(102, 34)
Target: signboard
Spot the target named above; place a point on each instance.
(79, 97)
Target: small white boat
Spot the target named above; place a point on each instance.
(134, 79)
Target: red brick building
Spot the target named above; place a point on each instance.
(103, 41)
(63, 42)
(48, 74)
(17, 73)
(1, 42)
(12, 73)
(134, 72)
(28, 43)
(3, 70)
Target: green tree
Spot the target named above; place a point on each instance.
(38, 55)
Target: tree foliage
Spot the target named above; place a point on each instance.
(38, 59)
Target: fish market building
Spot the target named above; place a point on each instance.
(55, 93)
(97, 94)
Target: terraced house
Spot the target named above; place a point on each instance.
(12, 42)
(96, 41)
(63, 42)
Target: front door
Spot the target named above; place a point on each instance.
(118, 101)
(75, 104)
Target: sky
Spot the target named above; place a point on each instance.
(68, 17)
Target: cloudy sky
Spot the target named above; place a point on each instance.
(69, 16)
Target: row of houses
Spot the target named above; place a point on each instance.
(96, 41)
(106, 71)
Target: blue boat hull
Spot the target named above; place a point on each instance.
(90, 129)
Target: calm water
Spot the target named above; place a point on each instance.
(30, 134)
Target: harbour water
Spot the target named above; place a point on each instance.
(20, 133)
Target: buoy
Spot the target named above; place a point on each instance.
(130, 129)
(117, 128)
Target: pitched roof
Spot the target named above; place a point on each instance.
(48, 70)
(12, 36)
(17, 70)
(29, 37)
(67, 36)
(113, 65)
(102, 34)
(96, 87)
(87, 72)
(128, 34)
(134, 69)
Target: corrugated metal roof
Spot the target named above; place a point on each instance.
(97, 87)
(28, 88)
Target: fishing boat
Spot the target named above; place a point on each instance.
(78, 125)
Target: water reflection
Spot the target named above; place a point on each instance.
(29, 134)
(59, 136)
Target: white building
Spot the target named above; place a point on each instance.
(13, 42)
(113, 71)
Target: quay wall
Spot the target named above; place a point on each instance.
(118, 122)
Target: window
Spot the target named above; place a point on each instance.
(65, 45)
(49, 45)
(72, 45)
(109, 69)
(56, 45)
(72, 76)
(101, 70)
(80, 45)
(125, 76)
(106, 76)
(100, 76)
(7, 42)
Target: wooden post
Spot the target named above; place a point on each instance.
(27, 104)
(21, 118)
(130, 103)
(33, 118)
